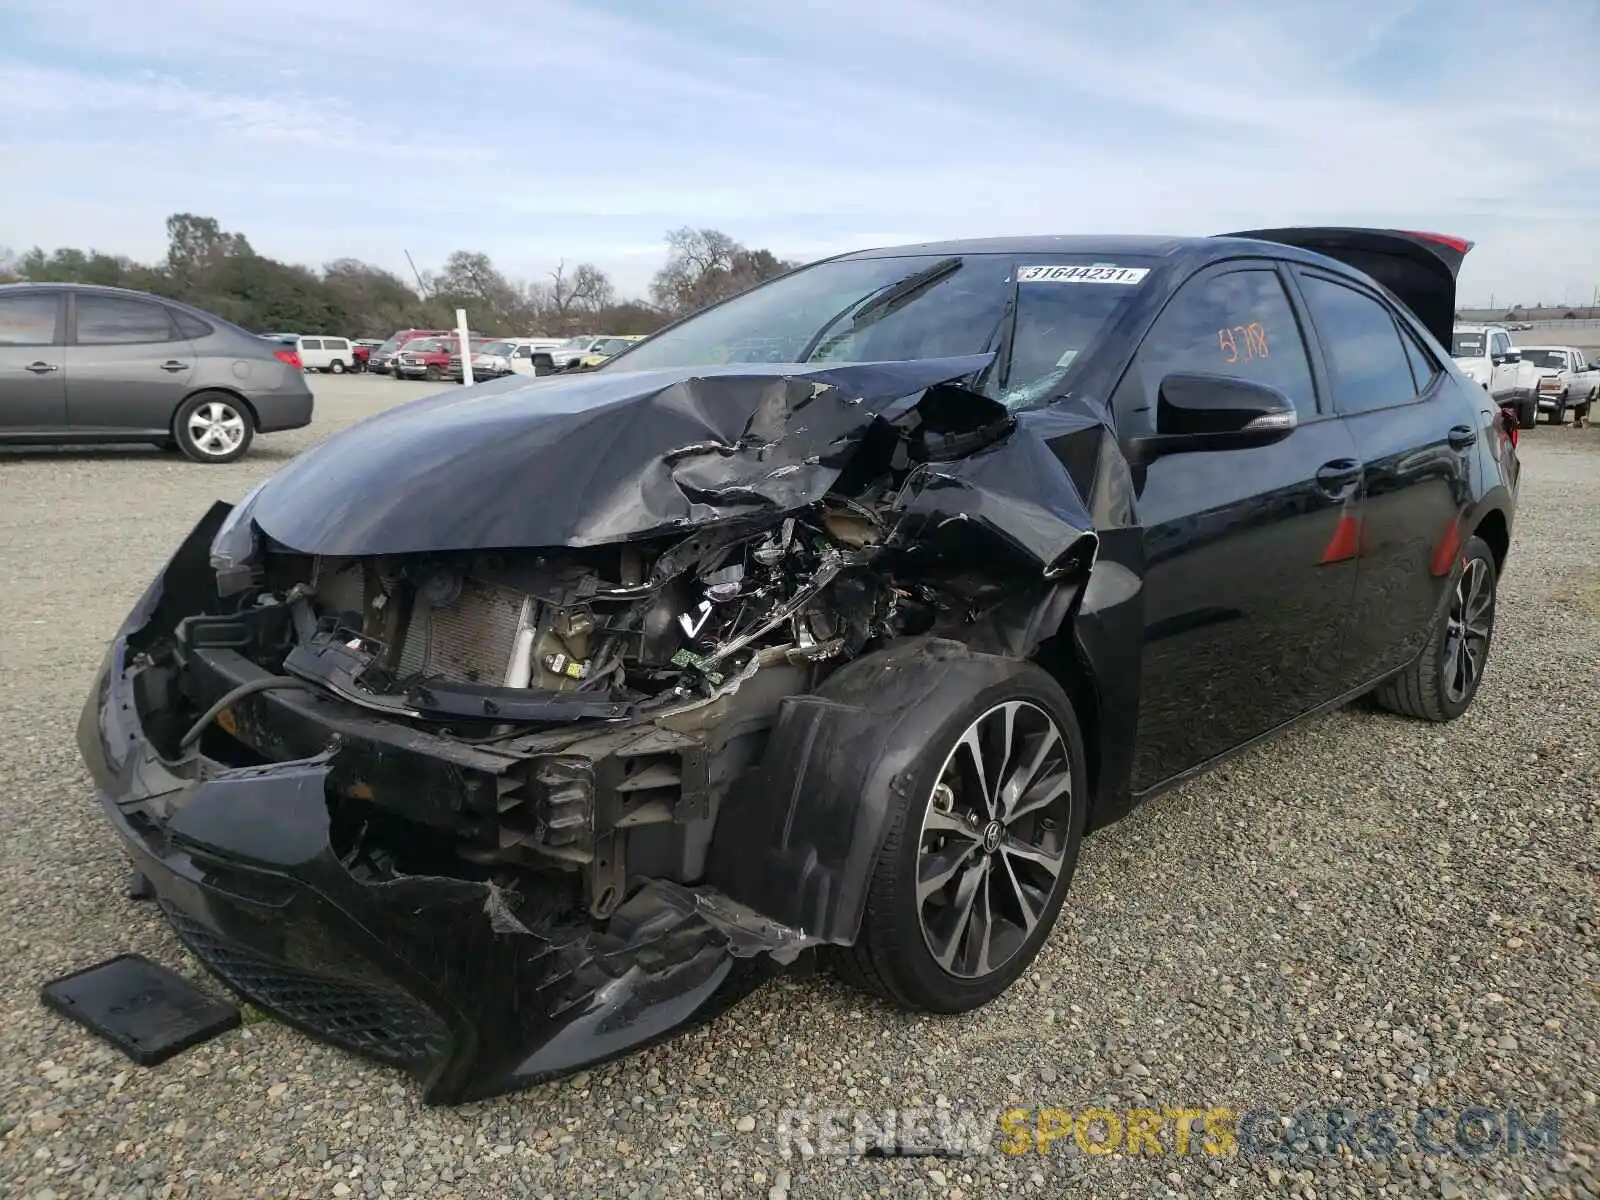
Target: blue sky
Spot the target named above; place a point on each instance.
(548, 129)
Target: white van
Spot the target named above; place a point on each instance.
(326, 354)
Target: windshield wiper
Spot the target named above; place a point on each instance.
(881, 303)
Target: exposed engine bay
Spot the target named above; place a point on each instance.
(532, 650)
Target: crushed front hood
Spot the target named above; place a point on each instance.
(586, 459)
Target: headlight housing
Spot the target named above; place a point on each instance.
(233, 549)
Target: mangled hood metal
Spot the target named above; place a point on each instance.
(587, 459)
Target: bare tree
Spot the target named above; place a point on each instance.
(706, 265)
(586, 290)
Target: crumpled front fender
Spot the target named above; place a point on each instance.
(800, 843)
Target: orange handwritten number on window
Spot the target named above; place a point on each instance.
(1257, 336)
(1230, 348)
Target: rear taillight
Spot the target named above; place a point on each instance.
(292, 357)
(1460, 245)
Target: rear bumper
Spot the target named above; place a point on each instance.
(277, 411)
(472, 986)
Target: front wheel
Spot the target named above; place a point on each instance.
(432, 375)
(213, 427)
(1440, 683)
(336, 367)
(1527, 413)
(980, 849)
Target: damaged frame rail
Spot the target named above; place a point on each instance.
(488, 910)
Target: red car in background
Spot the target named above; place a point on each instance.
(429, 358)
(382, 359)
(362, 350)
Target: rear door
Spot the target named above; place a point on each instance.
(128, 367)
(33, 396)
(1246, 589)
(1414, 433)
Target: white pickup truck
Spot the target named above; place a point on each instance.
(1566, 379)
(1486, 354)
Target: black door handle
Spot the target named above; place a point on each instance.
(41, 368)
(1462, 436)
(173, 364)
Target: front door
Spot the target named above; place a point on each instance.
(33, 395)
(1246, 585)
(128, 368)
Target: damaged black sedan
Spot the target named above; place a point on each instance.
(526, 724)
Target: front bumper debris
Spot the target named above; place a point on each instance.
(473, 988)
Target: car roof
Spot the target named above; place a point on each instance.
(1078, 243)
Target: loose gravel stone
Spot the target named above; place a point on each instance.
(1367, 912)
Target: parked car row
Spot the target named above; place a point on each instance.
(1527, 380)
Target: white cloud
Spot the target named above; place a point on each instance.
(563, 129)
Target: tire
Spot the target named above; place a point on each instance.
(893, 956)
(432, 375)
(1527, 414)
(336, 367)
(543, 364)
(214, 427)
(1425, 689)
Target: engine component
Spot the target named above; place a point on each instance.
(571, 668)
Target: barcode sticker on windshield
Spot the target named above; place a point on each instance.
(1101, 273)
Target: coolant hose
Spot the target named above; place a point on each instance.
(269, 683)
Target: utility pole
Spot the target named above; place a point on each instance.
(421, 287)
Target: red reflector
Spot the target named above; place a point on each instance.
(1459, 245)
(292, 357)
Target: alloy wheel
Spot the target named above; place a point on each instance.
(1467, 629)
(993, 840)
(215, 429)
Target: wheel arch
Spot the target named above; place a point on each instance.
(798, 839)
(1494, 528)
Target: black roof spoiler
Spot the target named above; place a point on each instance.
(1419, 269)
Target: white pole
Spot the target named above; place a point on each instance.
(466, 346)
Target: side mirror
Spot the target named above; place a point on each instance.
(1217, 412)
(1510, 356)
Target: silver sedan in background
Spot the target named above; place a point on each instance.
(98, 364)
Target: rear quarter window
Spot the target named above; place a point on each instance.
(1361, 345)
(190, 327)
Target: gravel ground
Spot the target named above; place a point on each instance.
(1367, 913)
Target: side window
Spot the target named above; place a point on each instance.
(311, 343)
(1424, 367)
(190, 327)
(1499, 343)
(335, 344)
(524, 352)
(1361, 343)
(29, 320)
(118, 321)
(1238, 324)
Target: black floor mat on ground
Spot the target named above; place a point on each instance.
(140, 1007)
